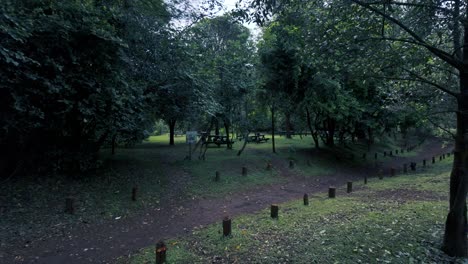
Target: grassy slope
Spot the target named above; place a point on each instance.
(395, 220)
(33, 206)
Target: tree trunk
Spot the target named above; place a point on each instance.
(216, 126)
(226, 127)
(113, 143)
(312, 132)
(288, 125)
(330, 125)
(455, 241)
(273, 128)
(172, 123)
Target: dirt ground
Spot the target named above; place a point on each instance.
(176, 215)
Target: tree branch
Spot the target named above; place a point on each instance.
(437, 52)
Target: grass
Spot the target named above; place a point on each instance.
(32, 206)
(366, 226)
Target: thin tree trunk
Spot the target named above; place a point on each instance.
(312, 132)
(273, 128)
(288, 125)
(226, 127)
(172, 123)
(113, 143)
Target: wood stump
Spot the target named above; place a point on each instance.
(160, 252)
(217, 176)
(306, 199)
(69, 205)
(365, 179)
(349, 186)
(227, 226)
(244, 171)
(413, 166)
(291, 164)
(134, 193)
(268, 167)
(424, 163)
(385, 154)
(274, 211)
(433, 160)
(331, 192)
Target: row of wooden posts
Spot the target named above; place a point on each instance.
(390, 153)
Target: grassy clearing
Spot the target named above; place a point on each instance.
(363, 227)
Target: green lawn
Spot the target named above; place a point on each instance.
(382, 222)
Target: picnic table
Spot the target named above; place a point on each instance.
(258, 138)
(216, 139)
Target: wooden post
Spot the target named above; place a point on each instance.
(274, 211)
(413, 166)
(227, 226)
(291, 164)
(244, 171)
(391, 153)
(349, 187)
(433, 160)
(331, 192)
(385, 153)
(306, 199)
(365, 179)
(217, 176)
(69, 205)
(405, 168)
(363, 155)
(380, 176)
(392, 172)
(443, 156)
(424, 163)
(160, 252)
(396, 152)
(402, 151)
(448, 154)
(440, 158)
(375, 155)
(268, 167)
(134, 193)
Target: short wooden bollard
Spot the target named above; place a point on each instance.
(396, 152)
(391, 153)
(405, 168)
(306, 199)
(331, 192)
(134, 193)
(375, 155)
(69, 205)
(448, 154)
(424, 163)
(433, 160)
(443, 156)
(402, 151)
(227, 226)
(385, 154)
(380, 176)
(160, 252)
(217, 176)
(274, 211)
(363, 155)
(440, 158)
(268, 167)
(413, 166)
(365, 179)
(349, 186)
(392, 172)
(291, 164)
(244, 171)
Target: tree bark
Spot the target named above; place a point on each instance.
(312, 132)
(273, 128)
(288, 125)
(226, 127)
(172, 123)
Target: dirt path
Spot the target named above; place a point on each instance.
(103, 243)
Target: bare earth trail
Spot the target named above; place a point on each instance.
(103, 243)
